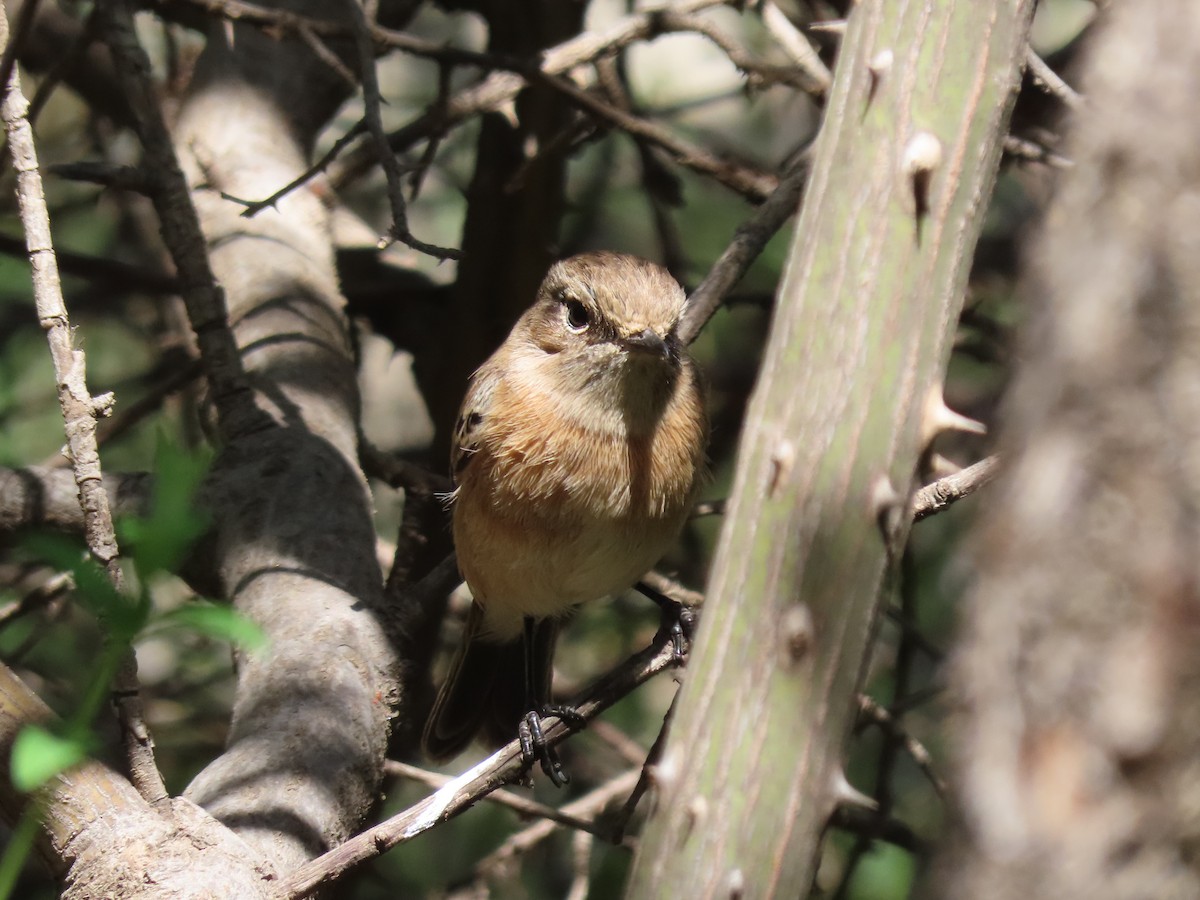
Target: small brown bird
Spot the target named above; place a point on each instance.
(576, 456)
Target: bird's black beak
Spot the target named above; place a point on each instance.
(647, 341)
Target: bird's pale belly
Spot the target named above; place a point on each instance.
(541, 569)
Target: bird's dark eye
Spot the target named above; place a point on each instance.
(578, 317)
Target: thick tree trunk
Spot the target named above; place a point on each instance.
(295, 540)
(903, 170)
(1077, 758)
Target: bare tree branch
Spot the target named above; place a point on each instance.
(753, 185)
(500, 88)
(795, 44)
(933, 498)
(48, 497)
(735, 260)
(513, 801)
(1047, 78)
(80, 410)
(391, 167)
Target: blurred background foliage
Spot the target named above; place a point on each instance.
(118, 290)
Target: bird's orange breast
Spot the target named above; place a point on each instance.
(551, 512)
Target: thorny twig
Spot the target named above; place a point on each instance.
(646, 776)
(893, 738)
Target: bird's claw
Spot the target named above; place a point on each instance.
(679, 622)
(533, 741)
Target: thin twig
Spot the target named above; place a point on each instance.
(519, 804)
(391, 166)
(399, 473)
(282, 20)
(915, 699)
(501, 88)
(795, 45)
(750, 183)
(80, 411)
(808, 77)
(98, 268)
(646, 777)
(913, 632)
(1049, 80)
(416, 177)
(933, 498)
(661, 187)
(164, 380)
(876, 714)
(8, 58)
(630, 751)
(502, 767)
(874, 827)
(50, 81)
(254, 207)
(902, 672)
(42, 595)
(323, 52)
(1028, 150)
(748, 242)
(581, 854)
(589, 805)
(833, 27)
(124, 178)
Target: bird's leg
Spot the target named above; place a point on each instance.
(537, 696)
(678, 620)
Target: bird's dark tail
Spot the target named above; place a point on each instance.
(486, 690)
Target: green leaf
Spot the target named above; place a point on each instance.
(220, 622)
(122, 616)
(160, 541)
(38, 756)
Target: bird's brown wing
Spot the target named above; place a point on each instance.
(469, 427)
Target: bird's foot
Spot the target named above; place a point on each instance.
(533, 741)
(678, 621)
